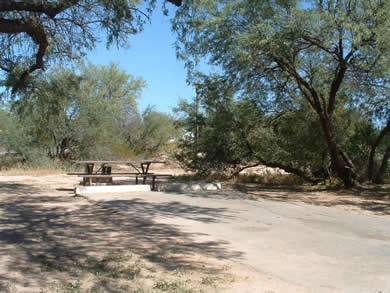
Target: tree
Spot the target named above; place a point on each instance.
(33, 33)
(14, 136)
(80, 115)
(240, 132)
(328, 54)
(151, 133)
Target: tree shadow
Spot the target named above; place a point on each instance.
(18, 189)
(63, 234)
(149, 210)
(372, 199)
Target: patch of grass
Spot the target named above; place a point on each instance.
(209, 280)
(31, 172)
(7, 287)
(96, 289)
(176, 286)
(49, 265)
(111, 267)
(131, 272)
(41, 167)
(66, 287)
(119, 271)
(103, 269)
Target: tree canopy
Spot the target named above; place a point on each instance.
(88, 112)
(34, 33)
(327, 54)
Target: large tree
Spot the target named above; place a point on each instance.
(34, 32)
(79, 115)
(235, 133)
(326, 53)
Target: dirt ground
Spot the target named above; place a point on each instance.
(52, 241)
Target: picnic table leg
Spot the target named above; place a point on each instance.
(89, 171)
(154, 183)
(145, 167)
(136, 180)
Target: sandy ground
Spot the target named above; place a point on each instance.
(47, 235)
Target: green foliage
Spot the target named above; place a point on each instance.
(69, 115)
(13, 135)
(150, 133)
(218, 147)
(319, 60)
(36, 34)
(176, 286)
(88, 112)
(158, 131)
(236, 133)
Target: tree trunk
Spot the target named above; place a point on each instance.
(382, 170)
(370, 167)
(339, 165)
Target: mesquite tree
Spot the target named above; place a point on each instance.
(326, 53)
(32, 33)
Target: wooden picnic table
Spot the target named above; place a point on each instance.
(141, 166)
(104, 173)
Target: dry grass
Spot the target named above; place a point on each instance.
(269, 178)
(129, 272)
(31, 172)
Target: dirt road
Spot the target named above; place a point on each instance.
(273, 246)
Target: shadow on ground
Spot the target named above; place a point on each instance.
(372, 199)
(40, 232)
(18, 189)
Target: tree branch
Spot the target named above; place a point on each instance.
(262, 161)
(31, 27)
(49, 8)
(176, 2)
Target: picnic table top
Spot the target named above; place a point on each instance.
(121, 162)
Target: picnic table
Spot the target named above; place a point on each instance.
(104, 171)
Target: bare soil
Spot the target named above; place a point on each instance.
(52, 241)
(369, 200)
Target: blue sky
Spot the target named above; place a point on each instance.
(151, 56)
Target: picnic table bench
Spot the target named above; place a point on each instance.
(104, 173)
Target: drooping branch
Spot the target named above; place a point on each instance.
(242, 168)
(31, 27)
(289, 169)
(273, 164)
